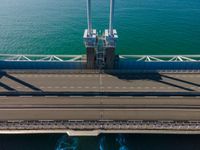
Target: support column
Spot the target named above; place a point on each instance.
(109, 58)
(112, 5)
(110, 40)
(90, 39)
(91, 58)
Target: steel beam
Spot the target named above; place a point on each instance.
(89, 20)
(112, 4)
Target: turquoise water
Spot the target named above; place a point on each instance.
(102, 142)
(56, 26)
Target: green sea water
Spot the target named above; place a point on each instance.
(56, 26)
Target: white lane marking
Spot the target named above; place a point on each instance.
(51, 96)
(3, 96)
(151, 96)
(25, 96)
(75, 96)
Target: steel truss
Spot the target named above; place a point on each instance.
(46, 58)
(78, 58)
(163, 58)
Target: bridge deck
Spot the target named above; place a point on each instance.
(99, 108)
(151, 82)
(41, 96)
(93, 101)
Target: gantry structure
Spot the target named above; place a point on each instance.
(100, 55)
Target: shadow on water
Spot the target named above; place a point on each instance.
(112, 142)
(102, 142)
(121, 140)
(67, 143)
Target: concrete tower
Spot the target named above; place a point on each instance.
(90, 39)
(110, 40)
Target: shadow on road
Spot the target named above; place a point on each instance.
(17, 80)
(164, 79)
(156, 77)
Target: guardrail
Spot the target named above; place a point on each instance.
(46, 58)
(17, 125)
(75, 58)
(163, 58)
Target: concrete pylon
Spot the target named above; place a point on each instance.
(110, 40)
(90, 40)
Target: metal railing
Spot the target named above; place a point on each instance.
(100, 125)
(24, 57)
(163, 58)
(72, 58)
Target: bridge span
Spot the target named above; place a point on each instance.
(99, 102)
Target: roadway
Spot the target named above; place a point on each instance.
(94, 82)
(99, 107)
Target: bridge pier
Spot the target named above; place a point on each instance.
(109, 58)
(91, 58)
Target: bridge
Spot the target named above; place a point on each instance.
(99, 92)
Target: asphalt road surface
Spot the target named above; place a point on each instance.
(58, 107)
(99, 108)
(151, 82)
